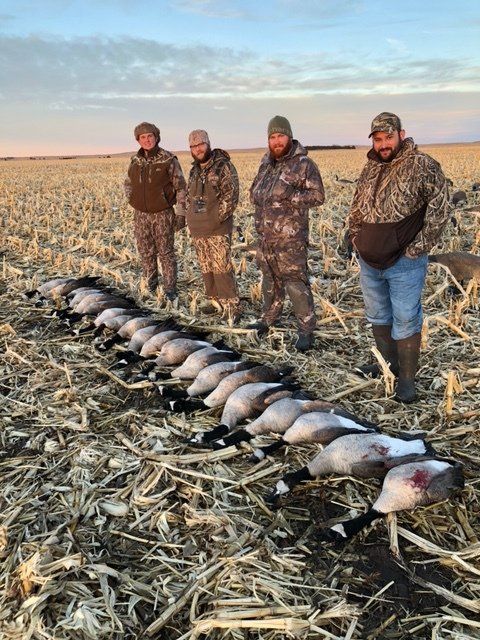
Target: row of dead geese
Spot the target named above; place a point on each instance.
(413, 474)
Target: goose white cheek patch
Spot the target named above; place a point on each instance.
(282, 488)
(338, 528)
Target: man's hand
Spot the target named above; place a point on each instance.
(179, 222)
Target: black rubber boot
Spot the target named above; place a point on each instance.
(152, 285)
(304, 341)
(171, 295)
(408, 354)
(387, 346)
(259, 326)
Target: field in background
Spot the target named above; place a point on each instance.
(73, 437)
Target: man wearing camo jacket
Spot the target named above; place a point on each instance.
(397, 216)
(287, 184)
(212, 196)
(154, 184)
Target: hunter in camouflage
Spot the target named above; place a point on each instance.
(287, 184)
(154, 184)
(398, 213)
(212, 197)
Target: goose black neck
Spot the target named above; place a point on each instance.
(239, 436)
(275, 446)
(294, 478)
(216, 433)
(352, 527)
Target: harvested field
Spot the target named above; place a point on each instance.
(111, 527)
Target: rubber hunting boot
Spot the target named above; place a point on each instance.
(387, 346)
(408, 354)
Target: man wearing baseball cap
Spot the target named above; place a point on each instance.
(212, 197)
(154, 184)
(397, 216)
(287, 184)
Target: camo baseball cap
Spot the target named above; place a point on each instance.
(387, 122)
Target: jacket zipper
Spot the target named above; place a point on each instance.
(375, 188)
(142, 180)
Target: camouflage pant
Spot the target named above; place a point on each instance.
(284, 268)
(155, 234)
(215, 260)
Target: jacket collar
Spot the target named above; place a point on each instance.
(148, 154)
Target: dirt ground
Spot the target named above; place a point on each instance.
(194, 548)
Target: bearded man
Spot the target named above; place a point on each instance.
(154, 184)
(397, 216)
(212, 196)
(287, 184)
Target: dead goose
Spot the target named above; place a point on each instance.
(44, 289)
(61, 286)
(247, 401)
(96, 303)
(126, 331)
(361, 455)
(108, 317)
(406, 486)
(140, 337)
(177, 350)
(75, 297)
(316, 427)
(260, 373)
(281, 415)
(143, 349)
(198, 360)
(155, 344)
(209, 378)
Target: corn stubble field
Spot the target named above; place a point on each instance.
(110, 527)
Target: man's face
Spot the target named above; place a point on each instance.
(200, 152)
(387, 144)
(147, 141)
(279, 144)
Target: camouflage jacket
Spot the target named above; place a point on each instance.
(282, 192)
(391, 191)
(221, 174)
(155, 179)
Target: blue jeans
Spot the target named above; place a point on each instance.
(392, 296)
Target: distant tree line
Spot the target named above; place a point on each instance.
(319, 147)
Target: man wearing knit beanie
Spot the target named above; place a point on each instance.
(212, 196)
(287, 184)
(154, 184)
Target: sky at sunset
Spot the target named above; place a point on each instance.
(76, 76)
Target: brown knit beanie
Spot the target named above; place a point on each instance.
(279, 124)
(198, 136)
(146, 127)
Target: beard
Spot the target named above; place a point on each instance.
(278, 150)
(203, 157)
(387, 154)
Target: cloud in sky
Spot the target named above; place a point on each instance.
(82, 90)
(106, 69)
(212, 8)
